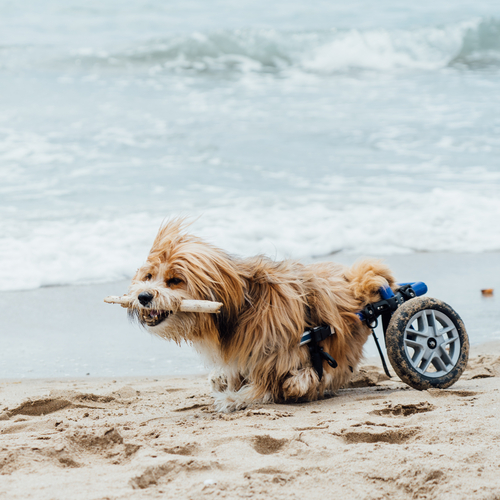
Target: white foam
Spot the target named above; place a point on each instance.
(430, 48)
(54, 253)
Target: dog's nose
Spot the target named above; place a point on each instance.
(145, 298)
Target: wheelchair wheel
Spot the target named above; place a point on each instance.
(427, 344)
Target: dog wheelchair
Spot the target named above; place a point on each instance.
(426, 340)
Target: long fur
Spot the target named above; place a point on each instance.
(267, 305)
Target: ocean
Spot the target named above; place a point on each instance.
(294, 129)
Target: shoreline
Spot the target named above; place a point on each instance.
(484, 348)
(69, 331)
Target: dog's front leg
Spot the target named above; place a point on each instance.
(225, 378)
(218, 380)
(228, 389)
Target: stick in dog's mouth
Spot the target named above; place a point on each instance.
(196, 306)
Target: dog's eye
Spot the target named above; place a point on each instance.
(148, 277)
(174, 281)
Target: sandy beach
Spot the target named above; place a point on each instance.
(161, 438)
(153, 432)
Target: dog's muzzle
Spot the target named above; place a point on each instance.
(152, 317)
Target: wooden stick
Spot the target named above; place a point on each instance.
(200, 306)
(197, 306)
(124, 301)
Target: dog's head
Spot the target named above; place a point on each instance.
(181, 266)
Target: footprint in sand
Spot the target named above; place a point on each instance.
(167, 471)
(367, 376)
(109, 445)
(43, 426)
(192, 407)
(404, 410)
(73, 451)
(37, 408)
(442, 393)
(23, 458)
(56, 402)
(186, 450)
(482, 367)
(393, 436)
(416, 482)
(266, 445)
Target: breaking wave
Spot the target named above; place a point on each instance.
(71, 252)
(471, 44)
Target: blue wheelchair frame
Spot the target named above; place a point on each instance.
(418, 288)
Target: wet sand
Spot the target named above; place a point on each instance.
(68, 331)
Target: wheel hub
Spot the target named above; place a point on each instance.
(432, 344)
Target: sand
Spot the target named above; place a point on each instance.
(160, 438)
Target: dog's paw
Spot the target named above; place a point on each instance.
(218, 381)
(228, 401)
(303, 383)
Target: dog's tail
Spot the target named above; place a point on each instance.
(366, 277)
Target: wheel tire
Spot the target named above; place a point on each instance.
(414, 348)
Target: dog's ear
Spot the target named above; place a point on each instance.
(211, 274)
(226, 320)
(226, 323)
(223, 283)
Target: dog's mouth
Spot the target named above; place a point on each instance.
(152, 317)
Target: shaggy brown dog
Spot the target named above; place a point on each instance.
(267, 305)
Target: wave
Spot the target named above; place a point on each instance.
(480, 46)
(75, 252)
(472, 44)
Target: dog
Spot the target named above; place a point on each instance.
(254, 342)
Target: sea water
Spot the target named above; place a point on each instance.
(294, 129)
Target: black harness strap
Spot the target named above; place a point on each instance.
(316, 352)
(369, 315)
